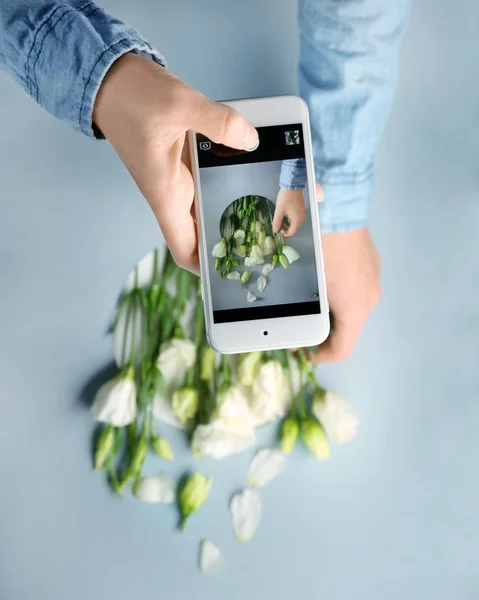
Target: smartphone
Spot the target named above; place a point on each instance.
(262, 290)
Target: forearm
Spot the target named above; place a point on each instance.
(347, 75)
(60, 52)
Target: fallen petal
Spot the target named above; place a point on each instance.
(266, 466)
(261, 283)
(158, 489)
(211, 557)
(246, 514)
(267, 269)
(234, 275)
(251, 297)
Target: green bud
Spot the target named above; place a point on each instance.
(218, 263)
(315, 438)
(283, 261)
(185, 404)
(248, 368)
(289, 435)
(207, 363)
(193, 496)
(138, 459)
(275, 259)
(162, 447)
(104, 444)
(261, 237)
(245, 277)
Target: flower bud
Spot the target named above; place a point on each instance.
(162, 447)
(245, 277)
(275, 259)
(248, 368)
(185, 404)
(207, 363)
(138, 459)
(193, 496)
(103, 447)
(289, 434)
(283, 261)
(218, 264)
(261, 237)
(315, 439)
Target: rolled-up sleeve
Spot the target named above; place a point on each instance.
(349, 53)
(60, 52)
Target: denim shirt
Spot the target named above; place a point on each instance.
(59, 52)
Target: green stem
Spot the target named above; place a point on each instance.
(125, 333)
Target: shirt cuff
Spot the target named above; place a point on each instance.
(293, 174)
(71, 52)
(346, 203)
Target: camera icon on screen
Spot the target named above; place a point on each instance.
(205, 145)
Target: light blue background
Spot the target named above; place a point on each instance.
(394, 515)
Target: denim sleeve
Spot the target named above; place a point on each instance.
(347, 75)
(59, 52)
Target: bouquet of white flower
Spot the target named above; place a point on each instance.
(168, 372)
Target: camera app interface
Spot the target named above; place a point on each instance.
(258, 225)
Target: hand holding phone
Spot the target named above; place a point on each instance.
(259, 245)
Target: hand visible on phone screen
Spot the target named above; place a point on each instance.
(146, 112)
(353, 267)
(289, 212)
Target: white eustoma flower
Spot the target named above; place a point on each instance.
(266, 466)
(175, 358)
(261, 283)
(246, 514)
(115, 401)
(257, 254)
(249, 261)
(239, 236)
(232, 408)
(269, 245)
(248, 368)
(218, 439)
(271, 394)
(338, 417)
(251, 297)
(267, 269)
(240, 250)
(219, 249)
(211, 557)
(158, 489)
(258, 227)
(290, 254)
(234, 275)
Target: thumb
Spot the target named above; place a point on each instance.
(222, 124)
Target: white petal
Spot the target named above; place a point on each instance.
(261, 283)
(142, 274)
(266, 466)
(115, 402)
(337, 416)
(234, 275)
(290, 253)
(158, 489)
(219, 250)
(211, 558)
(163, 411)
(270, 394)
(246, 514)
(233, 407)
(267, 269)
(251, 297)
(218, 439)
(250, 261)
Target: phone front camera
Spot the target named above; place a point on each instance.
(265, 333)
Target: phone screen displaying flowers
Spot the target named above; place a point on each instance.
(258, 225)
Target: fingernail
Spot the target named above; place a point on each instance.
(251, 141)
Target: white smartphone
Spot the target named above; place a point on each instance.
(261, 290)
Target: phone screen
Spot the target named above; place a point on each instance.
(259, 236)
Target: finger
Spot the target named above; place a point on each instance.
(319, 193)
(279, 215)
(339, 344)
(293, 227)
(221, 124)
